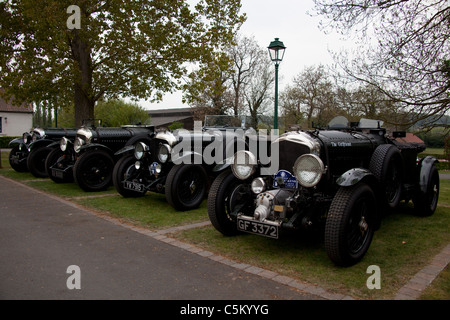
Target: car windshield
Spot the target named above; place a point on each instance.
(225, 121)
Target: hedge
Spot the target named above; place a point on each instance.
(5, 140)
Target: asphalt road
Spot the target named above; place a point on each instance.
(41, 237)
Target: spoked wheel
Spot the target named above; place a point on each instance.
(425, 203)
(125, 171)
(93, 170)
(349, 229)
(228, 195)
(186, 186)
(17, 159)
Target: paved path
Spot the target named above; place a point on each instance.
(42, 235)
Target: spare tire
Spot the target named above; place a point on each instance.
(387, 166)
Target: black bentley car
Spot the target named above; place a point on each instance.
(180, 163)
(89, 160)
(338, 180)
(30, 151)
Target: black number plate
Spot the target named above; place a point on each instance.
(256, 227)
(57, 173)
(133, 186)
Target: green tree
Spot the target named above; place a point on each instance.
(123, 48)
(115, 113)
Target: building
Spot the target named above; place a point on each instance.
(162, 119)
(15, 120)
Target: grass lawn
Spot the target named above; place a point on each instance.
(404, 244)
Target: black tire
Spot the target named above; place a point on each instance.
(425, 203)
(93, 170)
(36, 161)
(227, 193)
(22, 165)
(52, 159)
(186, 186)
(386, 165)
(349, 229)
(124, 169)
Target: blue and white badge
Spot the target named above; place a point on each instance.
(153, 168)
(289, 180)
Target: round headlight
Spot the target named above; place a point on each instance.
(244, 164)
(308, 170)
(77, 144)
(258, 185)
(139, 150)
(63, 143)
(34, 137)
(26, 138)
(164, 153)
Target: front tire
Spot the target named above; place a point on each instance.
(125, 170)
(36, 161)
(19, 165)
(93, 170)
(349, 226)
(186, 186)
(227, 194)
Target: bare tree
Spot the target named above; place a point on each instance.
(407, 47)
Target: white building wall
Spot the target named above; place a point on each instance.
(15, 124)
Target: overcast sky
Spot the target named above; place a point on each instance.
(287, 20)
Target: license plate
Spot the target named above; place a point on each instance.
(133, 186)
(58, 173)
(262, 228)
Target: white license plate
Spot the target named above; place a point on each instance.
(256, 227)
(133, 186)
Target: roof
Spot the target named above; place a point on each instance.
(410, 137)
(11, 107)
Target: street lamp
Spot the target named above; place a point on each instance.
(276, 52)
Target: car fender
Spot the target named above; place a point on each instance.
(85, 148)
(425, 170)
(187, 158)
(353, 176)
(39, 143)
(54, 144)
(16, 141)
(357, 175)
(125, 149)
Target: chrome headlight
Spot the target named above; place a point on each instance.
(244, 164)
(86, 133)
(139, 150)
(77, 144)
(63, 143)
(164, 153)
(308, 170)
(26, 138)
(258, 185)
(38, 133)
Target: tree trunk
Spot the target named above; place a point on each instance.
(83, 96)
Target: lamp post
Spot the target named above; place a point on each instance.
(276, 52)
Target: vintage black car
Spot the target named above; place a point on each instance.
(180, 163)
(30, 151)
(338, 180)
(89, 160)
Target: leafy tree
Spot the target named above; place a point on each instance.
(123, 48)
(115, 113)
(403, 49)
